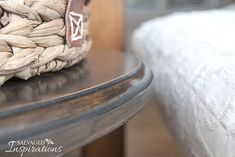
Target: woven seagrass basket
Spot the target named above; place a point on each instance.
(38, 36)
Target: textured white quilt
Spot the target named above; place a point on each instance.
(193, 59)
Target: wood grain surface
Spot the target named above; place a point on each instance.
(76, 106)
(107, 32)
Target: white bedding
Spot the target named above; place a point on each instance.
(193, 59)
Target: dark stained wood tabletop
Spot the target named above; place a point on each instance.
(75, 106)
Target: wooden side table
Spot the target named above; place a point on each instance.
(75, 106)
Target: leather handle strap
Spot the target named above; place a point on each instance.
(74, 22)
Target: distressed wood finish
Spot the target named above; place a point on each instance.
(76, 106)
(110, 15)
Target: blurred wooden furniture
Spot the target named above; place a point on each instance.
(75, 106)
(107, 24)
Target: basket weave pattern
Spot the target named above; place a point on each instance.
(32, 38)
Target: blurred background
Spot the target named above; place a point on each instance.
(147, 135)
(138, 11)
